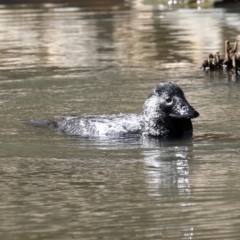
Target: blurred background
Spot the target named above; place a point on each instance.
(113, 32)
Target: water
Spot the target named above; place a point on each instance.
(58, 60)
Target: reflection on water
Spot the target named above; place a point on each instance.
(105, 58)
(168, 171)
(73, 38)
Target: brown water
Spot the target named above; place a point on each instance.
(58, 60)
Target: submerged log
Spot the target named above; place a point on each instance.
(231, 62)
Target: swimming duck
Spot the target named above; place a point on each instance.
(166, 115)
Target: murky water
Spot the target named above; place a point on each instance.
(59, 60)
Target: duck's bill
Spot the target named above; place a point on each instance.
(183, 110)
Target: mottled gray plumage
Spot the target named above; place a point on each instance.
(103, 125)
(166, 115)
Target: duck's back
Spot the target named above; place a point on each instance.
(101, 126)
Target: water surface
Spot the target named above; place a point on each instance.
(57, 61)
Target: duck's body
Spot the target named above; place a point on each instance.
(103, 125)
(166, 115)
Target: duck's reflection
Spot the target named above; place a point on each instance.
(167, 176)
(167, 168)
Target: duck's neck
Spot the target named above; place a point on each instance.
(178, 128)
(155, 123)
(153, 119)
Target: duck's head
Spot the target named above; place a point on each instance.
(166, 108)
(172, 101)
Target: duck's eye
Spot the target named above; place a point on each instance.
(168, 100)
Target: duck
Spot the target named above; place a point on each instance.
(166, 115)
